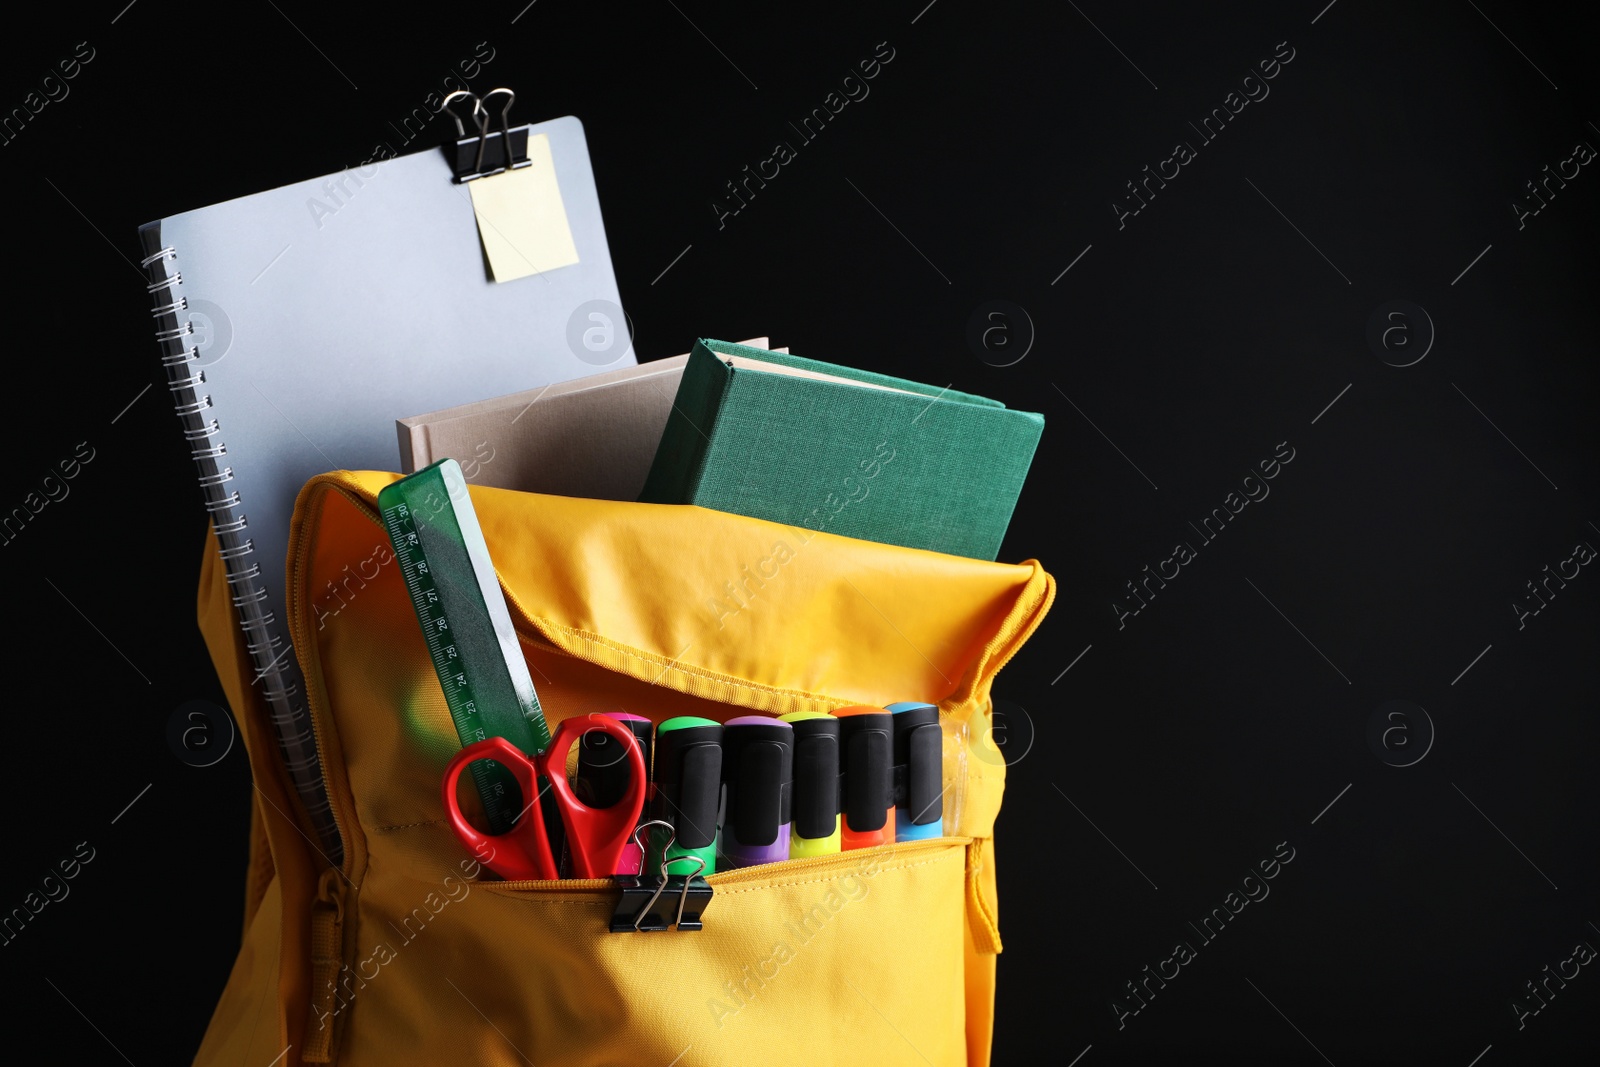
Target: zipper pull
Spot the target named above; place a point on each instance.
(327, 961)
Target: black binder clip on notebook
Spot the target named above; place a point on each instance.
(665, 901)
(486, 152)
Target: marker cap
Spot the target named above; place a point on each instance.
(815, 830)
(602, 776)
(918, 771)
(866, 750)
(757, 762)
(687, 788)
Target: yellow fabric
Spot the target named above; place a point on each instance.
(283, 866)
(658, 610)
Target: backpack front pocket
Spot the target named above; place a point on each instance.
(802, 962)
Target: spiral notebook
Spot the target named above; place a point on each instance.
(297, 324)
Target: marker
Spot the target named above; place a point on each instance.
(866, 748)
(815, 830)
(602, 776)
(757, 767)
(918, 771)
(688, 785)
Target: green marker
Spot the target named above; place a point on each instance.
(688, 773)
(447, 570)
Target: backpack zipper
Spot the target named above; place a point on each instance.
(759, 874)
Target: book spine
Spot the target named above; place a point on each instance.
(692, 425)
(271, 655)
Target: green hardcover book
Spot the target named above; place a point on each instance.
(841, 450)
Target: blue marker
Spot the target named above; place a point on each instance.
(918, 771)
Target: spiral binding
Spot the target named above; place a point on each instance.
(274, 663)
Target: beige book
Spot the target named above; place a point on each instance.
(589, 437)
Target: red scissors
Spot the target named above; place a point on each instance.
(596, 837)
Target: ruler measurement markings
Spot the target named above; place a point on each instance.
(458, 532)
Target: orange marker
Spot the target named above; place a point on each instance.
(866, 749)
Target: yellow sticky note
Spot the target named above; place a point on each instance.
(521, 219)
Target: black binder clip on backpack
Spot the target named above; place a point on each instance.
(488, 151)
(647, 904)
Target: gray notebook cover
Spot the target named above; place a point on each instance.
(315, 329)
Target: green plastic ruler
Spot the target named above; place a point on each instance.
(453, 587)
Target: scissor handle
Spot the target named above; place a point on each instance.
(521, 853)
(596, 837)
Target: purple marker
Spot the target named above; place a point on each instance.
(757, 765)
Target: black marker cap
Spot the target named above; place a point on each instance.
(602, 777)
(688, 779)
(816, 774)
(918, 762)
(866, 750)
(757, 766)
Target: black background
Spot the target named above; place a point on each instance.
(1177, 352)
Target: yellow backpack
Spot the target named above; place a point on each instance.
(408, 952)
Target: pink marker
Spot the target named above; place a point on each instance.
(602, 776)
